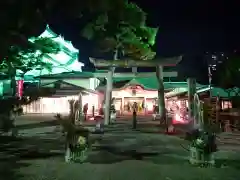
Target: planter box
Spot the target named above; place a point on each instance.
(198, 158)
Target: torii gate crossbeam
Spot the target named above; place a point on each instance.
(158, 63)
(133, 75)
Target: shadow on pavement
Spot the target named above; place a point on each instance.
(28, 148)
(110, 155)
(220, 163)
(38, 124)
(168, 159)
(228, 163)
(15, 149)
(104, 157)
(9, 164)
(8, 169)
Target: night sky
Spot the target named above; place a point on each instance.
(185, 27)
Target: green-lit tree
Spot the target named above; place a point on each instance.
(22, 19)
(122, 31)
(23, 58)
(28, 57)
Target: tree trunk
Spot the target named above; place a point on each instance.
(108, 97)
(12, 74)
(108, 92)
(7, 120)
(161, 98)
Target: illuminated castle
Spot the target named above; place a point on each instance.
(64, 61)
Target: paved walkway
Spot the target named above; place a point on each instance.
(122, 153)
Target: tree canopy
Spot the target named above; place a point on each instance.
(22, 19)
(123, 29)
(30, 56)
(116, 25)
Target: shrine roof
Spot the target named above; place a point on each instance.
(150, 83)
(67, 87)
(215, 91)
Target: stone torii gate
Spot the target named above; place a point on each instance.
(129, 63)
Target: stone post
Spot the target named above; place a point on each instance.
(108, 96)
(161, 98)
(191, 91)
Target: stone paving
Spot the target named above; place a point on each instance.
(122, 153)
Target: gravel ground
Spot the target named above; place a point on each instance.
(120, 154)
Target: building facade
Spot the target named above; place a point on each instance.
(140, 90)
(59, 94)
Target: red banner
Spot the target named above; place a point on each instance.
(20, 88)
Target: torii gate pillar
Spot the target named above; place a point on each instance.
(161, 100)
(108, 96)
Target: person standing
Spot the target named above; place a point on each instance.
(85, 110)
(135, 108)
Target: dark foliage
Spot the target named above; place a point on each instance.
(122, 31)
(227, 72)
